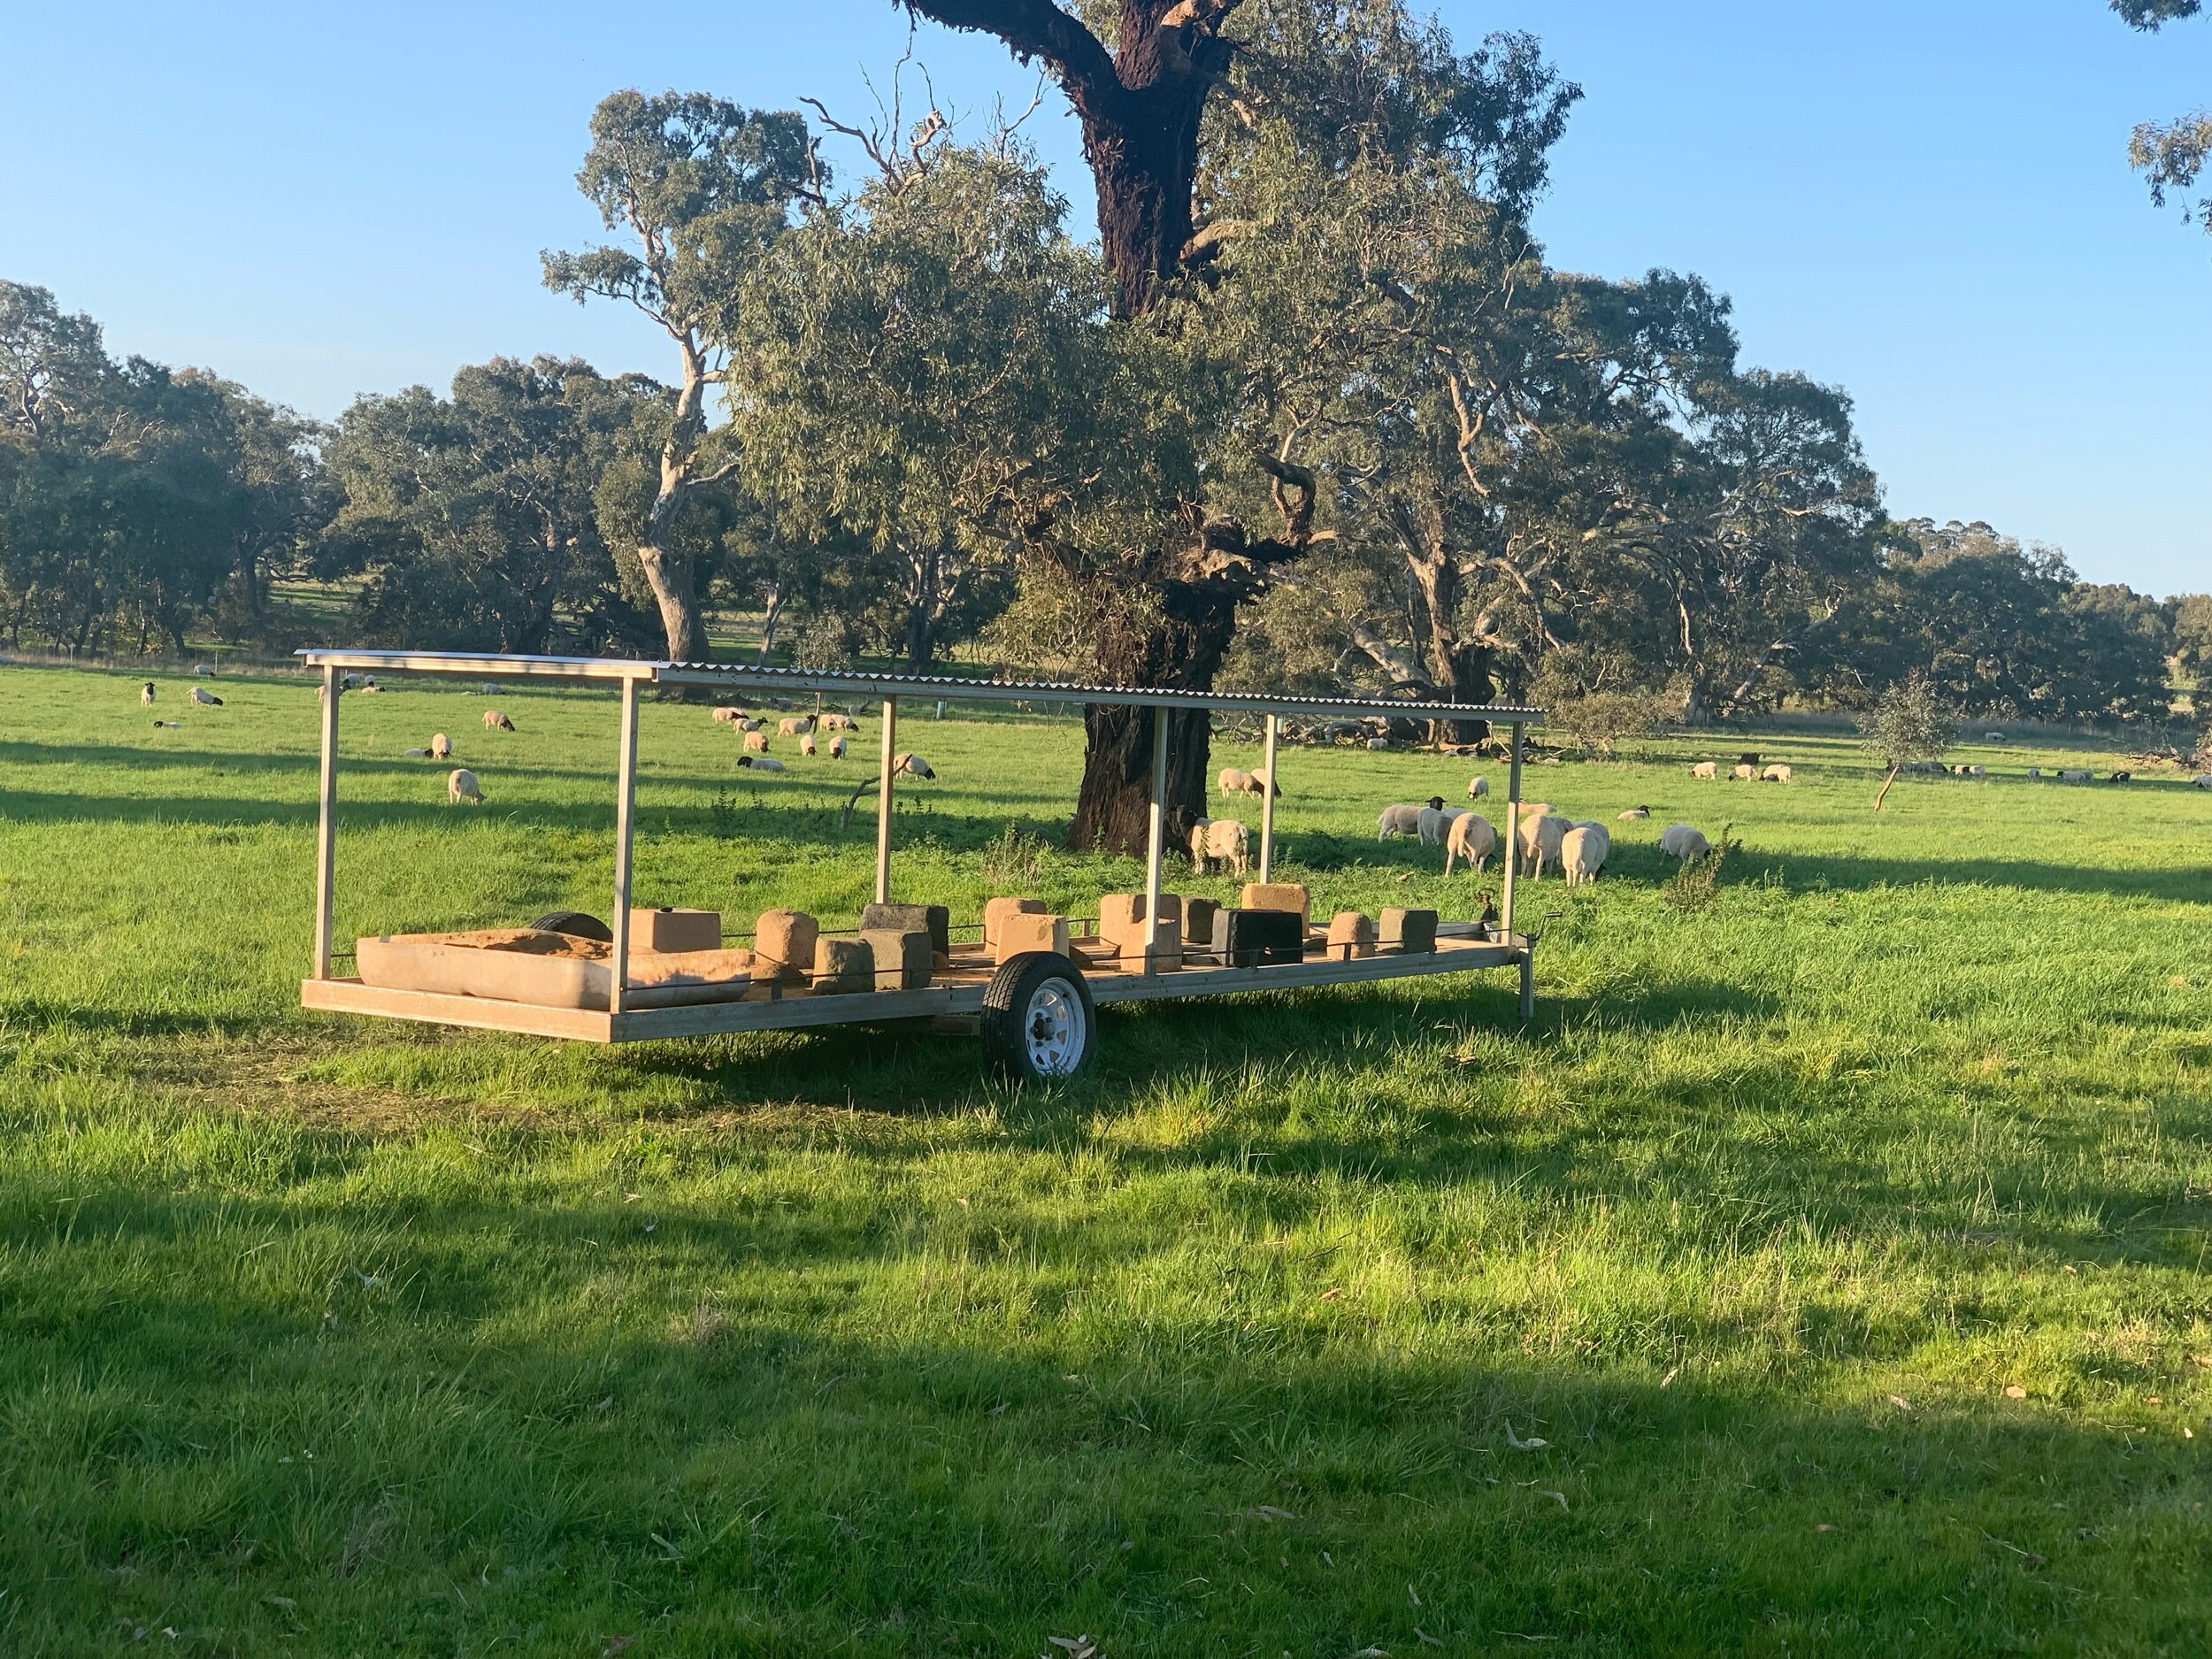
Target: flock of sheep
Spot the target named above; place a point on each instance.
(804, 727)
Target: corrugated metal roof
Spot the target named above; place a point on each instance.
(850, 682)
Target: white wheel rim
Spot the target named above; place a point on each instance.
(1052, 1029)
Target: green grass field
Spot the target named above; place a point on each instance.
(1824, 1273)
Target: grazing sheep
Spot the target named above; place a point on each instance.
(755, 743)
(370, 689)
(1583, 851)
(1994, 737)
(460, 785)
(1472, 837)
(1974, 772)
(837, 747)
(201, 668)
(2075, 774)
(172, 725)
(1685, 842)
(1705, 769)
(836, 723)
(1401, 819)
(1435, 819)
(794, 724)
(1232, 781)
(806, 745)
(441, 746)
(1635, 812)
(146, 695)
(2203, 781)
(746, 723)
(1478, 788)
(416, 754)
(911, 765)
(760, 762)
(1539, 842)
(207, 699)
(1744, 773)
(495, 721)
(1777, 773)
(2123, 777)
(2035, 772)
(730, 716)
(1216, 838)
(1379, 742)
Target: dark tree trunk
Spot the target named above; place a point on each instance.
(768, 620)
(923, 569)
(1460, 670)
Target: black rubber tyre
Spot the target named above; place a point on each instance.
(575, 923)
(1039, 1022)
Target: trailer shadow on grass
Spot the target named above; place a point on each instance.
(795, 1430)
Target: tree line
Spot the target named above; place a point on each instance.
(1315, 411)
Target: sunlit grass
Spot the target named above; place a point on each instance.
(321, 1336)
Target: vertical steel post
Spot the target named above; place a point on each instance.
(1512, 837)
(624, 834)
(1267, 806)
(326, 830)
(883, 801)
(1156, 836)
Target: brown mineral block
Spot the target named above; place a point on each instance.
(1029, 930)
(903, 956)
(996, 910)
(1121, 927)
(934, 919)
(841, 965)
(666, 929)
(783, 945)
(1277, 895)
(1409, 933)
(1350, 935)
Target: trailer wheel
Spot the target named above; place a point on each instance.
(575, 923)
(1039, 1021)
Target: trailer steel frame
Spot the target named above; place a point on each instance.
(956, 991)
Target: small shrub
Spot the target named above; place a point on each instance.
(1012, 858)
(1693, 886)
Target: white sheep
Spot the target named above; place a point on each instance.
(1539, 841)
(837, 747)
(1776, 773)
(1685, 842)
(1478, 788)
(806, 745)
(910, 765)
(793, 725)
(728, 717)
(1471, 837)
(1705, 769)
(1402, 819)
(1635, 812)
(1378, 742)
(2075, 774)
(836, 723)
(441, 746)
(1235, 782)
(1745, 772)
(460, 785)
(1974, 772)
(2035, 772)
(201, 695)
(495, 721)
(747, 723)
(1216, 838)
(1436, 821)
(760, 762)
(755, 743)
(1583, 851)
(2203, 781)
(146, 695)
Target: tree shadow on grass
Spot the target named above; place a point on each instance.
(754, 1448)
(1858, 872)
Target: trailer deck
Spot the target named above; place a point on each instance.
(963, 981)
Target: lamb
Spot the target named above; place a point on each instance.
(1540, 839)
(1744, 772)
(794, 724)
(1776, 773)
(460, 785)
(806, 745)
(1705, 769)
(1402, 819)
(171, 725)
(760, 762)
(1635, 812)
(1583, 851)
(1478, 788)
(1685, 842)
(495, 721)
(837, 747)
(1214, 839)
(1472, 837)
(201, 696)
(755, 743)
(1435, 820)
(911, 765)
(146, 695)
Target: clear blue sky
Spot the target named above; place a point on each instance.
(1926, 203)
